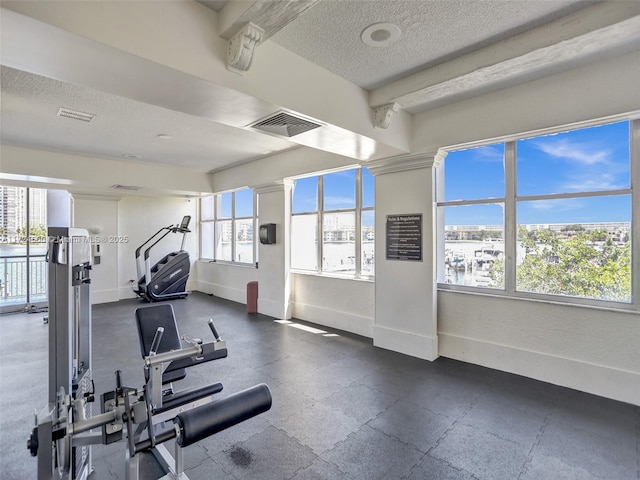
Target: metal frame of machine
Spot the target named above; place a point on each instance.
(146, 416)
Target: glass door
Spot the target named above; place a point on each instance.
(23, 243)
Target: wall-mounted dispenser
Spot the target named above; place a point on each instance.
(95, 245)
(95, 253)
(267, 233)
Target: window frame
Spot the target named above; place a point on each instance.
(511, 200)
(320, 213)
(217, 218)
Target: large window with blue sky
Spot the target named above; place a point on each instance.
(546, 216)
(227, 223)
(332, 224)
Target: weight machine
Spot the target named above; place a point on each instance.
(146, 416)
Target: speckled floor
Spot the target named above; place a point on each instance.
(342, 409)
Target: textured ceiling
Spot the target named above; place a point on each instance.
(328, 34)
(432, 32)
(121, 126)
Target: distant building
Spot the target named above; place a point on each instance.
(13, 209)
(8, 216)
(619, 231)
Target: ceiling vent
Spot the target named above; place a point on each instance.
(285, 124)
(126, 187)
(74, 114)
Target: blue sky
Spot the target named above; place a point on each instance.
(590, 159)
(339, 191)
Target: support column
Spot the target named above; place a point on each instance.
(274, 283)
(406, 290)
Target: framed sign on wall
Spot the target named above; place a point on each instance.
(404, 237)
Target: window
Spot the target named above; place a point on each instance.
(332, 224)
(23, 244)
(227, 223)
(542, 216)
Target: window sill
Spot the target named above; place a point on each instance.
(334, 276)
(224, 262)
(548, 299)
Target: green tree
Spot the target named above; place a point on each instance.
(587, 265)
(38, 233)
(496, 274)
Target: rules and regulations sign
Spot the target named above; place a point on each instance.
(404, 237)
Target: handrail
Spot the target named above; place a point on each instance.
(151, 238)
(146, 252)
(139, 267)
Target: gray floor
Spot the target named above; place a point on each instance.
(342, 409)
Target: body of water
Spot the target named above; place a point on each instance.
(14, 275)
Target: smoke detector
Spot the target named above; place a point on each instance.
(285, 124)
(380, 34)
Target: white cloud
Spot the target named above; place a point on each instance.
(590, 183)
(490, 153)
(330, 201)
(577, 152)
(563, 205)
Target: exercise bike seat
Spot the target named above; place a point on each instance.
(148, 319)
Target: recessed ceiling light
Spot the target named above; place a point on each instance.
(129, 155)
(380, 34)
(164, 136)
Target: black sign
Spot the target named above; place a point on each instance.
(404, 237)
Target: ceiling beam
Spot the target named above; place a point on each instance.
(605, 29)
(249, 23)
(270, 15)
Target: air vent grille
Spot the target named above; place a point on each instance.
(285, 124)
(126, 187)
(75, 115)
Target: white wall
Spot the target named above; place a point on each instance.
(274, 277)
(588, 349)
(224, 280)
(59, 208)
(405, 319)
(594, 91)
(340, 303)
(101, 213)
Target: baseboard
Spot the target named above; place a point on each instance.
(105, 296)
(408, 343)
(599, 380)
(274, 309)
(348, 322)
(126, 292)
(234, 294)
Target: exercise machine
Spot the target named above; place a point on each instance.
(167, 279)
(144, 417)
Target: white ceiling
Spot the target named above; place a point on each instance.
(327, 34)
(432, 32)
(121, 127)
